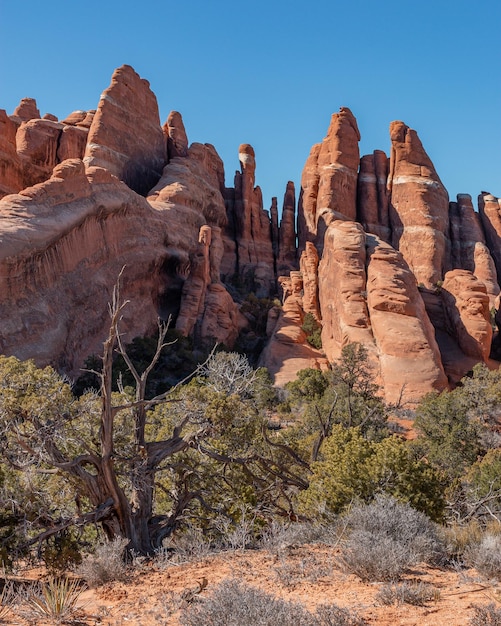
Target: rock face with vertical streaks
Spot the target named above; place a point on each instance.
(489, 208)
(372, 195)
(468, 247)
(286, 260)
(418, 208)
(248, 244)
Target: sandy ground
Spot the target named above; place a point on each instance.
(153, 595)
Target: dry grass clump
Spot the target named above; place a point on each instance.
(485, 556)
(416, 593)
(487, 615)
(235, 604)
(105, 565)
(385, 538)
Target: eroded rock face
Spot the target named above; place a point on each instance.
(418, 207)
(342, 283)
(54, 236)
(309, 270)
(177, 140)
(468, 247)
(489, 208)
(125, 136)
(467, 305)
(286, 260)
(287, 351)
(372, 195)
(248, 245)
(11, 169)
(409, 359)
(27, 110)
(329, 182)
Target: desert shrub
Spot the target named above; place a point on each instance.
(487, 615)
(485, 556)
(278, 536)
(233, 604)
(332, 615)
(353, 467)
(385, 538)
(105, 565)
(416, 593)
(459, 537)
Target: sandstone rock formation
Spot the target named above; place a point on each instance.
(468, 248)
(329, 182)
(248, 246)
(489, 208)
(11, 170)
(409, 358)
(286, 253)
(372, 195)
(177, 140)
(144, 198)
(287, 351)
(419, 206)
(63, 244)
(125, 136)
(467, 305)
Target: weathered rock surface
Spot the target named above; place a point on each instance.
(287, 351)
(248, 246)
(372, 195)
(409, 359)
(418, 207)
(468, 247)
(143, 198)
(342, 284)
(125, 136)
(309, 270)
(11, 169)
(27, 110)
(489, 208)
(54, 237)
(177, 140)
(37, 141)
(467, 305)
(287, 259)
(329, 182)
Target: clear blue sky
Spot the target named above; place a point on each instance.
(270, 73)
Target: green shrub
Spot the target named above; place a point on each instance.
(354, 468)
(313, 331)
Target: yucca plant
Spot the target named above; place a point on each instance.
(57, 599)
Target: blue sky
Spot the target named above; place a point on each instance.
(271, 73)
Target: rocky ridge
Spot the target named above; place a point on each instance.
(382, 257)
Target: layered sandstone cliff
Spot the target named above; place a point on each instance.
(381, 256)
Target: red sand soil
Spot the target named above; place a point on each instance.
(309, 574)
